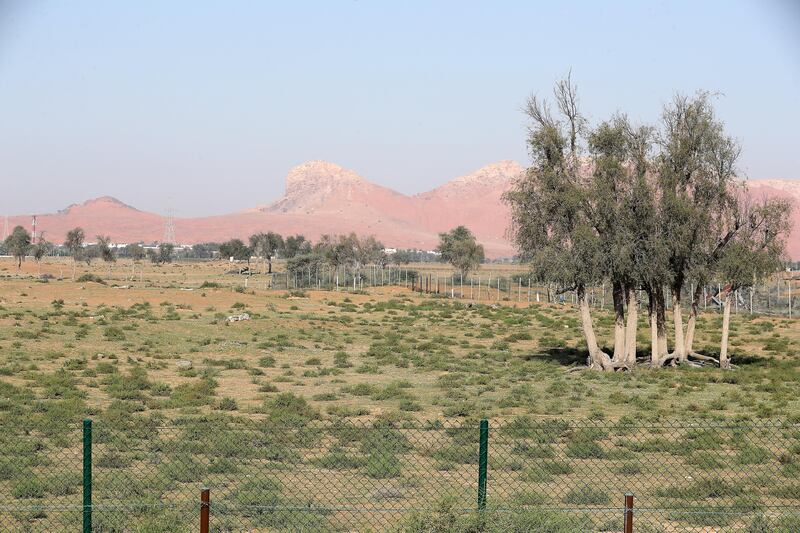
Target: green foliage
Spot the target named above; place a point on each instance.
(18, 243)
(193, 394)
(289, 409)
(459, 248)
(90, 278)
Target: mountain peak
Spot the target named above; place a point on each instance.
(316, 171)
(494, 173)
(312, 184)
(99, 202)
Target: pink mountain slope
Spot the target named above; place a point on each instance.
(323, 198)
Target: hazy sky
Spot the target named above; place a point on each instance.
(204, 106)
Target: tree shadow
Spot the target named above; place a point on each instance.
(744, 360)
(562, 356)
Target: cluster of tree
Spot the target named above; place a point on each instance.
(266, 247)
(337, 251)
(655, 209)
(406, 256)
(457, 247)
(19, 245)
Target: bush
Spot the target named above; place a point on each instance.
(338, 459)
(586, 496)
(584, 448)
(288, 409)
(382, 466)
(340, 360)
(193, 394)
(113, 459)
(227, 404)
(90, 278)
(28, 487)
(113, 334)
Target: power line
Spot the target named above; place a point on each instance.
(169, 228)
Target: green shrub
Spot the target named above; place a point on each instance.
(90, 278)
(586, 496)
(227, 404)
(28, 487)
(193, 394)
(584, 449)
(288, 409)
(382, 466)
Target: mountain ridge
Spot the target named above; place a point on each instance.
(323, 197)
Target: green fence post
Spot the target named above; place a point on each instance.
(483, 460)
(87, 476)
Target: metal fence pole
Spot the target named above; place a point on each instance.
(87, 476)
(483, 460)
(205, 503)
(628, 523)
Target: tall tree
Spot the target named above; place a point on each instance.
(296, 245)
(105, 251)
(459, 248)
(137, 254)
(18, 244)
(552, 220)
(235, 249)
(39, 250)
(74, 243)
(609, 196)
(165, 253)
(367, 250)
(696, 183)
(266, 246)
(402, 257)
(755, 252)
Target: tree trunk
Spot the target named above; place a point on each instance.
(659, 353)
(631, 328)
(269, 260)
(73, 268)
(618, 294)
(598, 359)
(724, 362)
(677, 317)
(651, 311)
(661, 322)
(691, 323)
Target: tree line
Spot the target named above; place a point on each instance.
(653, 208)
(457, 247)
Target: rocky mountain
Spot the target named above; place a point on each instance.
(322, 197)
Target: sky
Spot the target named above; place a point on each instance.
(202, 107)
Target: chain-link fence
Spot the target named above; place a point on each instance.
(523, 475)
(775, 296)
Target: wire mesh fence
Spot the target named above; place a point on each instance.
(776, 296)
(525, 475)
